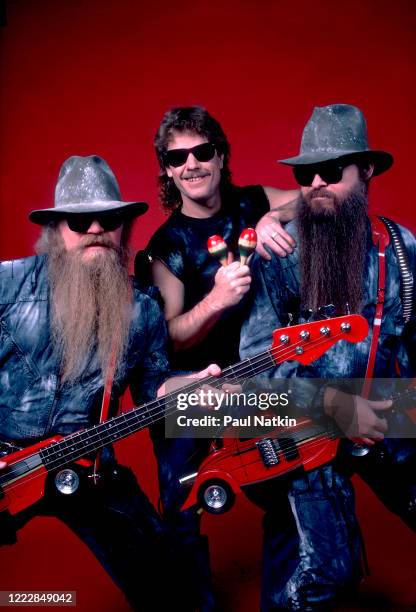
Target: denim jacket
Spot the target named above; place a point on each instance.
(275, 288)
(33, 401)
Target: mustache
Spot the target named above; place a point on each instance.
(96, 240)
(195, 175)
(320, 193)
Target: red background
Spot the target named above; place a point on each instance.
(87, 76)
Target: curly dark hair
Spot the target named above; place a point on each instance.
(188, 119)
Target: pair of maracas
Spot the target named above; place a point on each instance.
(246, 245)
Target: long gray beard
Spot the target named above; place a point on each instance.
(332, 247)
(91, 306)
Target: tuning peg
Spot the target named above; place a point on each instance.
(327, 311)
(218, 248)
(247, 243)
(306, 313)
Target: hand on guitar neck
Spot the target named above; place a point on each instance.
(177, 382)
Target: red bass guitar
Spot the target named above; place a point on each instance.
(234, 465)
(23, 481)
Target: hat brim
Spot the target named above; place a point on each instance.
(381, 159)
(128, 209)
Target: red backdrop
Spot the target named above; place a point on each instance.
(87, 76)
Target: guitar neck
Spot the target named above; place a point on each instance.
(303, 343)
(94, 438)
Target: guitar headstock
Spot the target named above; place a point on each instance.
(308, 341)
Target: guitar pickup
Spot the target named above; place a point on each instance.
(287, 446)
(268, 452)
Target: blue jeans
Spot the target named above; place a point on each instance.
(178, 457)
(312, 543)
(312, 546)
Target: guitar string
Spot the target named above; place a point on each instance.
(147, 417)
(129, 415)
(329, 434)
(152, 408)
(279, 351)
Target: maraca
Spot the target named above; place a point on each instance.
(218, 248)
(247, 243)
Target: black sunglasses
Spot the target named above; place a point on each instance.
(330, 172)
(177, 157)
(82, 222)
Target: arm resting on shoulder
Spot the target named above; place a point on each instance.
(283, 207)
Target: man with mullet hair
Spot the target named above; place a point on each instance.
(204, 303)
(72, 322)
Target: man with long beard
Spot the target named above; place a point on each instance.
(308, 557)
(73, 321)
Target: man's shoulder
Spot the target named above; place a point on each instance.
(241, 189)
(407, 235)
(17, 270)
(21, 278)
(247, 193)
(147, 295)
(170, 235)
(174, 222)
(249, 202)
(17, 267)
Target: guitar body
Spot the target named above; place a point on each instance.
(239, 463)
(22, 490)
(242, 463)
(23, 481)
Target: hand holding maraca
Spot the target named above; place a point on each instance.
(247, 243)
(232, 280)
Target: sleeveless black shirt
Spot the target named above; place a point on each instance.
(181, 244)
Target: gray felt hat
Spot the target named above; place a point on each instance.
(86, 185)
(335, 131)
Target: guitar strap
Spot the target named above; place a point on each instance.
(105, 406)
(381, 239)
(406, 275)
(384, 229)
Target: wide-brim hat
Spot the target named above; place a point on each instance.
(87, 185)
(335, 131)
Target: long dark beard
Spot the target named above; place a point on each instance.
(332, 245)
(91, 304)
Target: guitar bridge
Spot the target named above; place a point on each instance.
(270, 447)
(268, 452)
(288, 447)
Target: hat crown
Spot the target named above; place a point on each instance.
(337, 127)
(85, 180)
